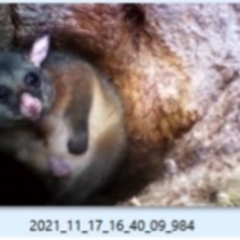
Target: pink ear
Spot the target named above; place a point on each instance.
(39, 50)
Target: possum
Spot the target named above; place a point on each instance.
(63, 118)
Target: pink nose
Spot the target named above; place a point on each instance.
(30, 106)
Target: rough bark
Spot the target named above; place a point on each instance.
(214, 144)
(6, 27)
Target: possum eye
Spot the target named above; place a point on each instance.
(32, 80)
(5, 93)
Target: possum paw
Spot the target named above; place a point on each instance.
(60, 167)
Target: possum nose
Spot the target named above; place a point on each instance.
(30, 106)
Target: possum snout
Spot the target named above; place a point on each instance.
(30, 106)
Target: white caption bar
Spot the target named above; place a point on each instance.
(119, 222)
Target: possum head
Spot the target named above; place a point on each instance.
(26, 91)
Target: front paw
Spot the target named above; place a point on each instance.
(60, 167)
(78, 144)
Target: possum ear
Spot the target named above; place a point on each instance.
(39, 50)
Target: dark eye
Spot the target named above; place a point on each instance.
(32, 80)
(5, 93)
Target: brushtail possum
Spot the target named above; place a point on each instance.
(60, 116)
